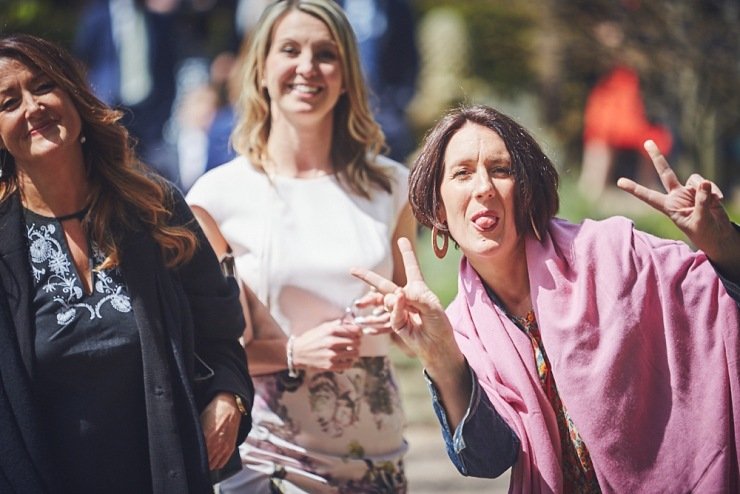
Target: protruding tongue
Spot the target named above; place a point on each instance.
(485, 222)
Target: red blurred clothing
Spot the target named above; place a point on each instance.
(615, 114)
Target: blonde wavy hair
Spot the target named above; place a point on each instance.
(124, 195)
(357, 138)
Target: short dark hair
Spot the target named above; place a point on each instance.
(536, 199)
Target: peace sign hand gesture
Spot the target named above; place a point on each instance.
(417, 316)
(695, 208)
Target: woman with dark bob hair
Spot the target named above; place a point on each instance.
(120, 364)
(588, 357)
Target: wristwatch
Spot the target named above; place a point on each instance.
(240, 405)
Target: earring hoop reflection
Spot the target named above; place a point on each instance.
(440, 252)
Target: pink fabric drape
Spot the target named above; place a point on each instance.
(643, 343)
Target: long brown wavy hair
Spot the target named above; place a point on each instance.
(357, 138)
(125, 196)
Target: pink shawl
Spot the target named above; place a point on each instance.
(643, 343)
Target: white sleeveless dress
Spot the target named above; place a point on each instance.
(294, 241)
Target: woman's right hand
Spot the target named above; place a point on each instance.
(417, 316)
(333, 346)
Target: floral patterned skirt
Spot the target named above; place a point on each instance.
(334, 432)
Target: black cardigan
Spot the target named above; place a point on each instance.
(179, 312)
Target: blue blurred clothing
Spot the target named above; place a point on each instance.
(99, 48)
(219, 149)
(386, 36)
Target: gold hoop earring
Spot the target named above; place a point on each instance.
(534, 228)
(440, 252)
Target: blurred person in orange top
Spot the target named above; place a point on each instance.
(615, 120)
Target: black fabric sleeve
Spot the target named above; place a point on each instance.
(221, 362)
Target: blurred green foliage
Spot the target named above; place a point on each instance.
(55, 20)
(502, 35)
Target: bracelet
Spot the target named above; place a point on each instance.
(240, 405)
(292, 372)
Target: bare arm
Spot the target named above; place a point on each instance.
(333, 345)
(263, 339)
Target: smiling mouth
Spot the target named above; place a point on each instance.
(305, 88)
(40, 128)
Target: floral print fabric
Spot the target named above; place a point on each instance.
(578, 471)
(330, 425)
(53, 270)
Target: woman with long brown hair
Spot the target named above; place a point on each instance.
(121, 366)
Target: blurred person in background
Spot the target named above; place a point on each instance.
(615, 121)
(309, 197)
(386, 36)
(130, 50)
(587, 358)
(120, 360)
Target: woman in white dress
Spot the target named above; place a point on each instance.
(308, 198)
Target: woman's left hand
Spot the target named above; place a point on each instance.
(220, 421)
(695, 208)
(370, 315)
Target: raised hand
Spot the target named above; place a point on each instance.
(695, 208)
(416, 314)
(418, 318)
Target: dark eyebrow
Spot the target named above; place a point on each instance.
(39, 76)
(327, 43)
(499, 160)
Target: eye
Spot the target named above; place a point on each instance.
(460, 173)
(501, 171)
(327, 55)
(289, 50)
(45, 87)
(8, 104)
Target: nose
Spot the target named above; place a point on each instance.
(483, 185)
(32, 104)
(306, 65)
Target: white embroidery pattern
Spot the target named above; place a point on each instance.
(48, 254)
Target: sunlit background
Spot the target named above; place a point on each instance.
(538, 61)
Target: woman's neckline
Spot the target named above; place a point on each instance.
(77, 215)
